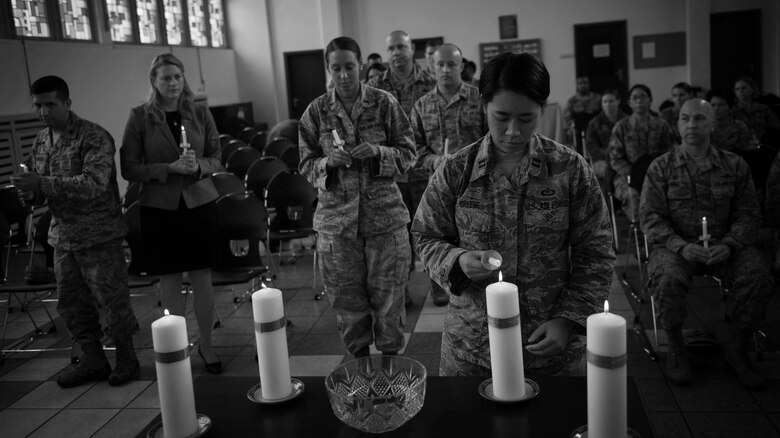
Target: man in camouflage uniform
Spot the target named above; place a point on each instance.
(361, 220)
(407, 82)
(580, 108)
(552, 228)
(444, 121)
(72, 169)
(773, 206)
(692, 182)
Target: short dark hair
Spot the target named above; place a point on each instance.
(751, 83)
(342, 43)
(47, 84)
(726, 95)
(374, 56)
(518, 72)
(613, 92)
(685, 86)
(432, 43)
(642, 87)
(376, 66)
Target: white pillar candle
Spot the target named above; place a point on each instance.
(506, 352)
(174, 376)
(607, 393)
(271, 336)
(704, 236)
(184, 143)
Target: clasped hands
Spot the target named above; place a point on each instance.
(187, 164)
(695, 253)
(550, 337)
(342, 158)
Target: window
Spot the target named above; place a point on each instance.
(197, 16)
(74, 15)
(148, 23)
(120, 22)
(174, 22)
(31, 18)
(217, 21)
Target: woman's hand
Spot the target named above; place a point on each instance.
(550, 338)
(365, 150)
(471, 265)
(187, 164)
(338, 158)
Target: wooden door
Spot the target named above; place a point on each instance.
(601, 54)
(306, 79)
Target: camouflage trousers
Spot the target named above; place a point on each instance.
(364, 279)
(89, 279)
(451, 364)
(745, 276)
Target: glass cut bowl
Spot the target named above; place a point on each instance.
(377, 394)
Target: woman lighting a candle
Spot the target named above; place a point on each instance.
(535, 202)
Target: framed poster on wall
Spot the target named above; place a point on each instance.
(488, 51)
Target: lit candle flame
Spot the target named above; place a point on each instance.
(606, 306)
(166, 312)
(263, 284)
(500, 277)
(704, 219)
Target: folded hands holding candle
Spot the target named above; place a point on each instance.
(342, 158)
(187, 164)
(695, 253)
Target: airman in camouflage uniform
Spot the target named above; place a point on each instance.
(597, 137)
(733, 136)
(72, 168)
(580, 109)
(692, 182)
(632, 139)
(451, 116)
(360, 216)
(773, 206)
(551, 226)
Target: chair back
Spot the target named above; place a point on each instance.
(258, 141)
(224, 139)
(285, 129)
(246, 134)
(239, 161)
(260, 174)
(295, 200)
(285, 150)
(229, 148)
(10, 205)
(227, 183)
(243, 224)
(134, 240)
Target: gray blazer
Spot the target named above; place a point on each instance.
(148, 147)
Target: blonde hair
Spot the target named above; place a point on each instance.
(187, 98)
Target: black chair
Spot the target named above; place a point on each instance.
(227, 183)
(258, 141)
(137, 267)
(260, 174)
(239, 161)
(285, 150)
(229, 148)
(246, 134)
(294, 199)
(243, 224)
(285, 129)
(224, 139)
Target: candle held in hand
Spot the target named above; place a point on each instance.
(704, 236)
(184, 143)
(607, 387)
(337, 141)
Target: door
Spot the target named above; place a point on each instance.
(735, 47)
(601, 54)
(305, 73)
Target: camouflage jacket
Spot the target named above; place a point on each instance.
(773, 194)
(631, 140)
(677, 194)
(79, 184)
(553, 232)
(598, 134)
(733, 135)
(363, 199)
(670, 116)
(758, 117)
(461, 120)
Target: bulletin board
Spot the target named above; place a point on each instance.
(488, 51)
(660, 50)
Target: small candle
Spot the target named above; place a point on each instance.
(704, 236)
(174, 376)
(337, 141)
(184, 143)
(446, 147)
(505, 337)
(607, 393)
(271, 336)
(630, 199)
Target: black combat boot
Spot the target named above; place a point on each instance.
(735, 353)
(93, 366)
(127, 367)
(678, 368)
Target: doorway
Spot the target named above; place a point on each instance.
(735, 47)
(601, 54)
(306, 79)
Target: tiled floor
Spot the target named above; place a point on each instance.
(31, 403)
